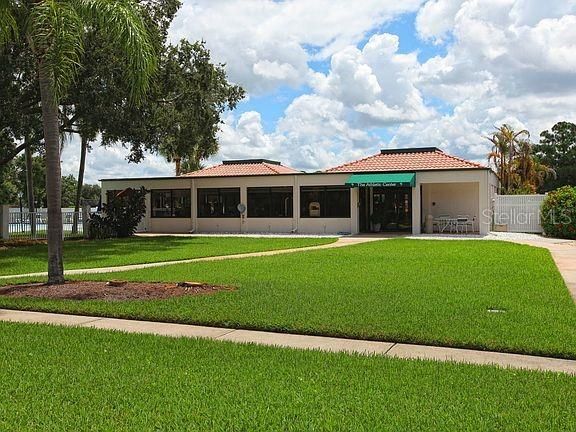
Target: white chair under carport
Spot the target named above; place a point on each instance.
(463, 222)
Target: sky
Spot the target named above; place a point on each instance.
(330, 81)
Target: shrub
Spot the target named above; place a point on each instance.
(121, 215)
(559, 213)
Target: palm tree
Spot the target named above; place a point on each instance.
(530, 174)
(542, 173)
(54, 31)
(505, 142)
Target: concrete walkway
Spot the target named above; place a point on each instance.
(388, 349)
(342, 241)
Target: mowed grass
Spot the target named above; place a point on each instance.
(138, 250)
(56, 378)
(414, 291)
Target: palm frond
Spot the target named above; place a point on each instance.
(8, 24)
(122, 21)
(56, 31)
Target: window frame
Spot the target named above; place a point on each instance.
(323, 189)
(269, 190)
(111, 193)
(199, 204)
(172, 214)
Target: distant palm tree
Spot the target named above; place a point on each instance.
(529, 173)
(505, 142)
(54, 31)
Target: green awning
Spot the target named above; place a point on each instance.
(383, 180)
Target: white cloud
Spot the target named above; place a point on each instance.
(510, 61)
(266, 43)
(313, 134)
(274, 71)
(110, 162)
(491, 40)
(530, 12)
(436, 18)
(376, 82)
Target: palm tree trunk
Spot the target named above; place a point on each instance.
(53, 174)
(511, 155)
(83, 150)
(177, 165)
(30, 187)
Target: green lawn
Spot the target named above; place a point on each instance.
(416, 291)
(138, 250)
(58, 379)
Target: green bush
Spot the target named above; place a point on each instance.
(559, 213)
(121, 215)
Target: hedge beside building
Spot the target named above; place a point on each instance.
(559, 213)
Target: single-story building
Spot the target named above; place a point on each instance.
(394, 190)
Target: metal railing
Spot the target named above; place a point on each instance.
(34, 225)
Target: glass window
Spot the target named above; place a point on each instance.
(214, 203)
(325, 201)
(171, 203)
(271, 202)
(111, 194)
(181, 203)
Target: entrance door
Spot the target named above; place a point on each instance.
(392, 206)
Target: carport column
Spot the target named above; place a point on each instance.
(4, 215)
(355, 208)
(243, 200)
(416, 211)
(149, 213)
(485, 216)
(296, 204)
(194, 205)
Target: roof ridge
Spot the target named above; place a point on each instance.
(399, 160)
(252, 168)
(189, 174)
(271, 168)
(352, 162)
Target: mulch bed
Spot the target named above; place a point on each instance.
(112, 290)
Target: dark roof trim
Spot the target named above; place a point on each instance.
(411, 150)
(250, 161)
(299, 173)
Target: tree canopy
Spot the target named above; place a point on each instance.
(557, 148)
(182, 114)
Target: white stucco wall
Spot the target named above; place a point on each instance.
(150, 224)
(453, 199)
(243, 224)
(455, 192)
(466, 192)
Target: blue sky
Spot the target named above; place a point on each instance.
(330, 81)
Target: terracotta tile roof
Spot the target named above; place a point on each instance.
(251, 167)
(415, 159)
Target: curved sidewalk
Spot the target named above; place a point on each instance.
(286, 340)
(342, 241)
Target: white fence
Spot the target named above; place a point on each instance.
(28, 225)
(520, 213)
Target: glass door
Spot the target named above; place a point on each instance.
(392, 208)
